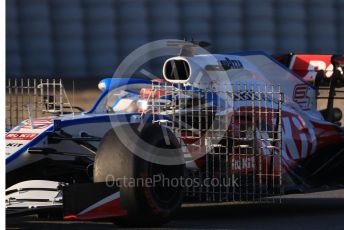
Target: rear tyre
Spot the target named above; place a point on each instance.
(146, 204)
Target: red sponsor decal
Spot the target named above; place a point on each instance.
(149, 93)
(243, 163)
(40, 123)
(21, 136)
(307, 65)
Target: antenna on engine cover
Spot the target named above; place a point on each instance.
(188, 48)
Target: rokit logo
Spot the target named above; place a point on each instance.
(307, 65)
(243, 163)
(20, 136)
(315, 66)
(13, 145)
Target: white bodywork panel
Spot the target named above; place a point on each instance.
(253, 69)
(34, 194)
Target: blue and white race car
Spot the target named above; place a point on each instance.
(232, 127)
(53, 146)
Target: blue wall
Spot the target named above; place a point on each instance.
(89, 37)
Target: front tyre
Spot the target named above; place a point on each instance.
(147, 204)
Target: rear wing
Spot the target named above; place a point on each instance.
(307, 65)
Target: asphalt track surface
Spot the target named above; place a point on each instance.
(319, 210)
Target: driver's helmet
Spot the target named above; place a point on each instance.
(125, 102)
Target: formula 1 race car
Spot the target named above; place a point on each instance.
(217, 128)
